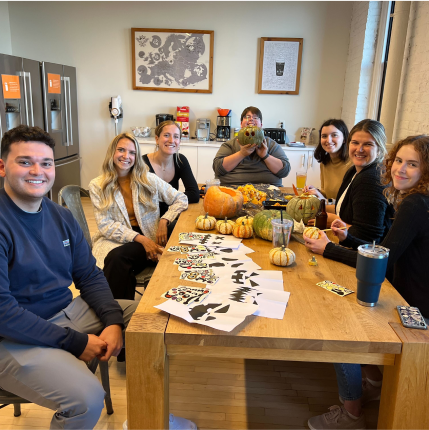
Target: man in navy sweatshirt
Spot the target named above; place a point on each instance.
(45, 336)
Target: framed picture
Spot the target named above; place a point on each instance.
(280, 65)
(172, 60)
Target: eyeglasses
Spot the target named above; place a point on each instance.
(255, 118)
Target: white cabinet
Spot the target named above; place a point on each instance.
(302, 160)
(147, 148)
(206, 156)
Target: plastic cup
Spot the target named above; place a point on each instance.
(301, 179)
(211, 182)
(370, 273)
(281, 232)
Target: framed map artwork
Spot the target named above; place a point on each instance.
(172, 60)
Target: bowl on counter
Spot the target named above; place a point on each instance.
(141, 131)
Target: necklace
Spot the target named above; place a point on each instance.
(163, 167)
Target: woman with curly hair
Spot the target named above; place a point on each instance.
(131, 234)
(407, 177)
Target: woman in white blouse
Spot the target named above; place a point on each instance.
(131, 235)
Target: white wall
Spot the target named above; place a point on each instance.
(5, 41)
(412, 116)
(96, 38)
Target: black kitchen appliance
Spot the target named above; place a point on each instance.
(161, 117)
(223, 130)
(277, 134)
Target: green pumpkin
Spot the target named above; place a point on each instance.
(303, 207)
(262, 223)
(250, 136)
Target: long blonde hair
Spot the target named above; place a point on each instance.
(138, 175)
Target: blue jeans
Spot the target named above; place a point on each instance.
(349, 379)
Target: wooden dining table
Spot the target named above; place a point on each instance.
(318, 326)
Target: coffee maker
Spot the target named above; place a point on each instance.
(161, 117)
(223, 123)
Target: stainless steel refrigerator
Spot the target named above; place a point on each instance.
(60, 113)
(43, 95)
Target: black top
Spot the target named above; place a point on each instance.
(364, 205)
(183, 171)
(408, 241)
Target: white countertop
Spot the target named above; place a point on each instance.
(214, 144)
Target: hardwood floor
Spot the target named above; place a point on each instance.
(220, 393)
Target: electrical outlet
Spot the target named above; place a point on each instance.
(281, 124)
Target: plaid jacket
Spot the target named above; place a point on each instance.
(114, 227)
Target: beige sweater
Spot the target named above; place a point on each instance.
(331, 177)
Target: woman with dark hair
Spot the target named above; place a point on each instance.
(167, 164)
(360, 201)
(407, 177)
(332, 154)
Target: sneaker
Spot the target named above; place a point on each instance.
(178, 423)
(336, 418)
(369, 393)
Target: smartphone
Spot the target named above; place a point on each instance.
(411, 317)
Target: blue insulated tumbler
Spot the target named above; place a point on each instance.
(370, 273)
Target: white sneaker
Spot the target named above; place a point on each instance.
(178, 423)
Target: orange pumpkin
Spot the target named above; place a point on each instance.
(248, 220)
(242, 231)
(222, 202)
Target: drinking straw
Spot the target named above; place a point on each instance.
(373, 245)
(283, 232)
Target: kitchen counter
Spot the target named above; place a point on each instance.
(214, 144)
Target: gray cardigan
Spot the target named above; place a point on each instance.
(251, 168)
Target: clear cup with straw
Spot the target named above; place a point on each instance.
(282, 229)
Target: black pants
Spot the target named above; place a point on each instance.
(123, 263)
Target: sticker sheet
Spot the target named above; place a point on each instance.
(200, 276)
(335, 288)
(187, 295)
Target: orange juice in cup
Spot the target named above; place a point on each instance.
(301, 179)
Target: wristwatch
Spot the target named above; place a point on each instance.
(264, 158)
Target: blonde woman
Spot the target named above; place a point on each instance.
(131, 234)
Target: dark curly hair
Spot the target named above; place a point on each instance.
(421, 146)
(320, 154)
(24, 133)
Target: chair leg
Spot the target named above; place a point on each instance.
(17, 409)
(104, 372)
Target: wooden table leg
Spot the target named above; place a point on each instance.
(405, 394)
(147, 372)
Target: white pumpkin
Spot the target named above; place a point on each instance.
(225, 226)
(205, 222)
(281, 256)
(311, 232)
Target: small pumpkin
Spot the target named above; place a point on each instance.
(242, 231)
(262, 223)
(311, 232)
(251, 136)
(222, 202)
(281, 256)
(205, 222)
(248, 220)
(225, 226)
(303, 207)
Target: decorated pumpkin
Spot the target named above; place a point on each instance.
(222, 202)
(242, 231)
(205, 222)
(303, 207)
(281, 256)
(225, 226)
(248, 220)
(262, 223)
(250, 136)
(311, 232)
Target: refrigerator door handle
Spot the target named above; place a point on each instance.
(30, 98)
(69, 119)
(66, 104)
(60, 164)
(27, 117)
